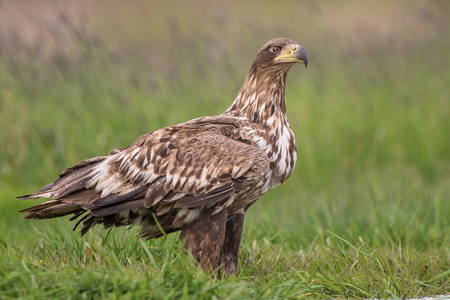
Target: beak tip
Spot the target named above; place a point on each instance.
(302, 55)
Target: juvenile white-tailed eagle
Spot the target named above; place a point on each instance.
(199, 177)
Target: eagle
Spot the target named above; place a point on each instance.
(197, 177)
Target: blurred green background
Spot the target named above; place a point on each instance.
(371, 113)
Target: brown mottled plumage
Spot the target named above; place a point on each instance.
(199, 177)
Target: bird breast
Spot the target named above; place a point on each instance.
(279, 145)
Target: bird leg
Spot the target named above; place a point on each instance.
(205, 238)
(230, 250)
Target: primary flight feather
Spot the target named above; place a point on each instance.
(199, 177)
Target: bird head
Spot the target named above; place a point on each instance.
(281, 53)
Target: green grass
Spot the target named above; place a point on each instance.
(365, 214)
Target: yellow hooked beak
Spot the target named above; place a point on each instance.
(293, 54)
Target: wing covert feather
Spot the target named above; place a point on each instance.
(190, 163)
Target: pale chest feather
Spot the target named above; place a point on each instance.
(279, 144)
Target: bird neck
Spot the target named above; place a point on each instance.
(261, 97)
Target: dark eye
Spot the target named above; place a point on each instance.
(276, 49)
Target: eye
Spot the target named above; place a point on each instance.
(276, 49)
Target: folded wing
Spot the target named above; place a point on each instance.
(188, 165)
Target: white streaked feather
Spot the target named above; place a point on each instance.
(189, 215)
(176, 177)
(203, 182)
(182, 180)
(97, 174)
(151, 177)
(109, 185)
(230, 200)
(134, 153)
(191, 181)
(261, 143)
(169, 177)
(218, 210)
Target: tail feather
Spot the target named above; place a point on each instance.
(50, 209)
(68, 191)
(35, 196)
(47, 187)
(72, 182)
(42, 193)
(41, 206)
(71, 196)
